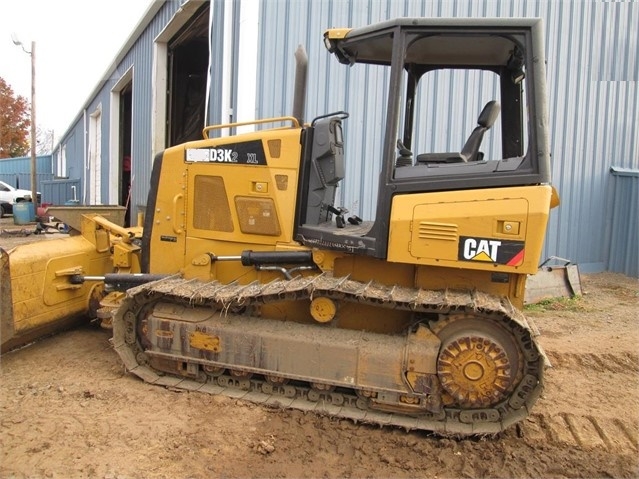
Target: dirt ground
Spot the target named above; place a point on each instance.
(68, 409)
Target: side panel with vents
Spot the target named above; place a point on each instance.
(241, 191)
(494, 229)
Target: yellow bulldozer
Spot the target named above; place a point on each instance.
(249, 279)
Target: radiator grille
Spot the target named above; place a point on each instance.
(210, 204)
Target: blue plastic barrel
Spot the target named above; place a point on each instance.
(23, 213)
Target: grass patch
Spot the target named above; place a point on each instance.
(557, 304)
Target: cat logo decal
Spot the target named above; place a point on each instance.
(491, 250)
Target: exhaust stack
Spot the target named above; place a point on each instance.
(301, 69)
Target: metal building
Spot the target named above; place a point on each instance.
(194, 62)
(17, 171)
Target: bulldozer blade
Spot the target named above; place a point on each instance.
(6, 307)
(72, 215)
(37, 297)
(553, 282)
(11, 337)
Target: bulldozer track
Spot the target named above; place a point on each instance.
(230, 298)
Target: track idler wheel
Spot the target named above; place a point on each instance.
(479, 362)
(213, 371)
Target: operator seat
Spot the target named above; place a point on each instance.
(487, 117)
(470, 151)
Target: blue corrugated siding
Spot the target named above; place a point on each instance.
(17, 171)
(58, 192)
(140, 56)
(23, 165)
(623, 253)
(23, 180)
(594, 114)
(592, 74)
(217, 37)
(75, 151)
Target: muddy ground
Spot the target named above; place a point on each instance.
(68, 409)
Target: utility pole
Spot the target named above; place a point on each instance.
(34, 188)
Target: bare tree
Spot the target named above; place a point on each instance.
(44, 141)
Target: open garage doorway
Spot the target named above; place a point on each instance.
(188, 55)
(125, 157)
(121, 144)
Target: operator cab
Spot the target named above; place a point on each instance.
(464, 109)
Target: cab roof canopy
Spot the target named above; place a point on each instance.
(433, 41)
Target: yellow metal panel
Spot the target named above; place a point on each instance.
(421, 352)
(463, 218)
(271, 181)
(505, 285)
(364, 268)
(500, 229)
(41, 291)
(207, 342)
(167, 241)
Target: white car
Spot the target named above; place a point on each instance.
(10, 196)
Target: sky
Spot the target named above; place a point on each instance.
(76, 41)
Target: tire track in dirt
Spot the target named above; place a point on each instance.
(588, 431)
(66, 425)
(624, 362)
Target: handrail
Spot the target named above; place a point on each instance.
(126, 234)
(293, 120)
